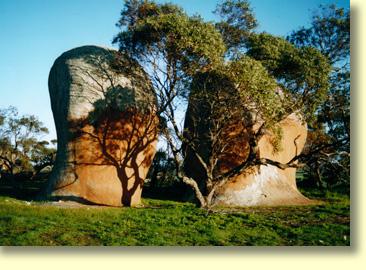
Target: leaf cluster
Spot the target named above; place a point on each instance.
(237, 22)
(329, 32)
(188, 42)
(301, 72)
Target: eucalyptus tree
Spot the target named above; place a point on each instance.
(172, 47)
(21, 146)
(330, 34)
(230, 73)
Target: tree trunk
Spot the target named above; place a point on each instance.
(198, 193)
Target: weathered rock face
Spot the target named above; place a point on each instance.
(106, 130)
(266, 185)
(269, 185)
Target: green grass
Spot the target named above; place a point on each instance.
(175, 223)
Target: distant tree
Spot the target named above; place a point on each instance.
(43, 156)
(266, 79)
(21, 147)
(162, 170)
(330, 133)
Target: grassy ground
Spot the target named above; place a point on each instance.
(175, 223)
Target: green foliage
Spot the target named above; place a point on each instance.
(301, 72)
(237, 22)
(21, 149)
(329, 33)
(187, 44)
(335, 112)
(162, 171)
(168, 223)
(184, 42)
(272, 51)
(43, 155)
(257, 89)
(135, 10)
(276, 138)
(266, 75)
(224, 106)
(230, 100)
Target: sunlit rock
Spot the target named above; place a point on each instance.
(268, 184)
(264, 185)
(103, 107)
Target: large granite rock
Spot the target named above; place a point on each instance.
(264, 185)
(106, 130)
(268, 184)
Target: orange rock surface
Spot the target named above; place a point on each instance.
(269, 185)
(103, 160)
(264, 185)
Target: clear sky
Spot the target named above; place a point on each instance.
(35, 32)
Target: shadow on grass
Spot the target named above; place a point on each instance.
(171, 193)
(30, 190)
(21, 189)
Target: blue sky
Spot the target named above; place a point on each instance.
(35, 32)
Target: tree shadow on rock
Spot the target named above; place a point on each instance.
(119, 132)
(112, 128)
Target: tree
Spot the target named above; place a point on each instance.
(43, 156)
(172, 47)
(329, 33)
(162, 170)
(330, 133)
(221, 125)
(238, 22)
(238, 105)
(263, 83)
(302, 72)
(21, 147)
